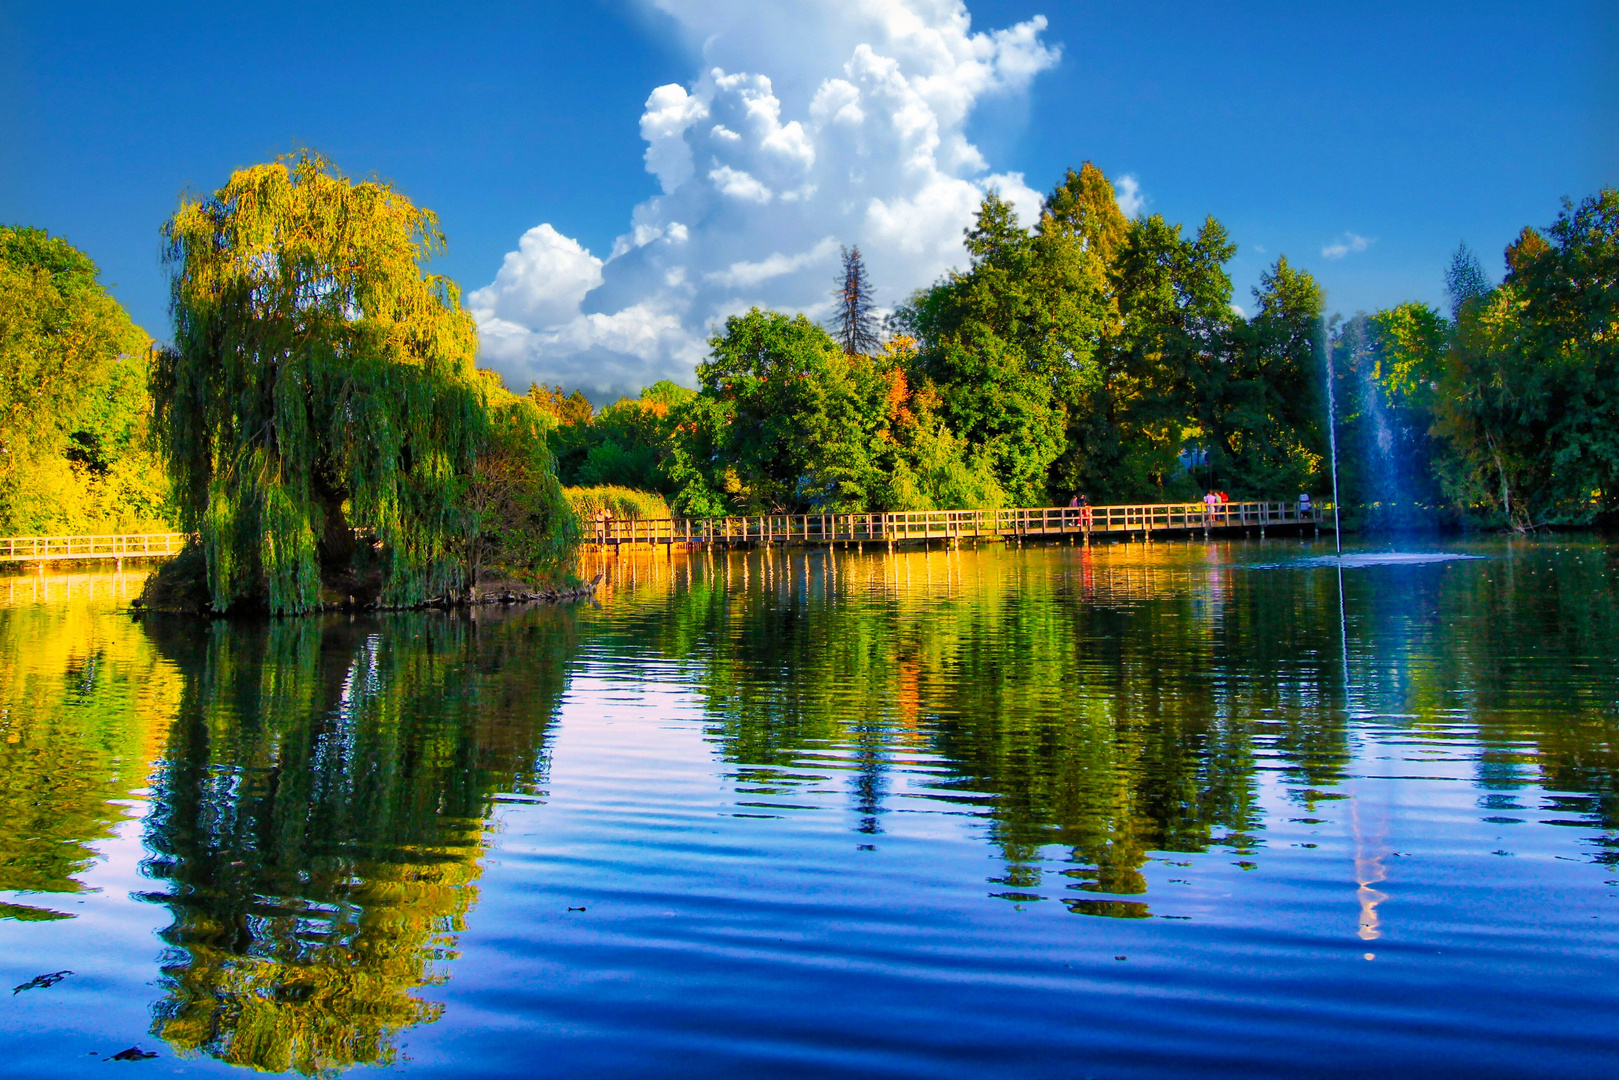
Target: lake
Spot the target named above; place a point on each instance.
(1128, 811)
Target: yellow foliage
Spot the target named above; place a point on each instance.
(624, 503)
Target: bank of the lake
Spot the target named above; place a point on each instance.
(1132, 810)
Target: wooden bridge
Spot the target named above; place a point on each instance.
(1075, 524)
(43, 549)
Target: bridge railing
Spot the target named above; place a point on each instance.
(126, 546)
(898, 527)
(909, 525)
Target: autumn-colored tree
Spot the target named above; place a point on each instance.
(572, 408)
(74, 446)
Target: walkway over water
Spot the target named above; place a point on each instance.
(44, 549)
(1146, 521)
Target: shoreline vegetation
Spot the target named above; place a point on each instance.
(319, 421)
(179, 586)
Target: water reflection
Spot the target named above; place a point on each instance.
(1125, 702)
(1116, 729)
(318, 816)
(84, 706)
(1072, 698)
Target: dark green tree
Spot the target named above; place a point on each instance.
(785, 420)
(1011, 341)
(854, 325)
(1528, 402)
(1264, 403)
(1167, 366)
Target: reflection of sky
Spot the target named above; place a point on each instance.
(737, 915)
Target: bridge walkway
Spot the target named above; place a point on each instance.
(1147, 520)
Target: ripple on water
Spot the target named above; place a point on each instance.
(1113, 811)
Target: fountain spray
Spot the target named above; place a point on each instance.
(1332, 438)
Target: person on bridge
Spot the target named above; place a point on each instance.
(1210, 501)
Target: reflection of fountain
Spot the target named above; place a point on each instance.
(1369, 868)
(1369, 871)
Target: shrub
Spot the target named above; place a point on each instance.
(622, 501)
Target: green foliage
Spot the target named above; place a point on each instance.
(1012, 340)
(1086, 355)
(789, 421)
(1264, 411)
(626, 444)
(932, 467)
(74, 412)
(1529, 400)
(519, 524)
(320, 381)
(570, 409)
(1171, 364)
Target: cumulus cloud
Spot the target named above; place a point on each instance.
(835, 122)
(1128, 194)
(1348, 244)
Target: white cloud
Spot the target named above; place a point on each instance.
(739, 185)
(748, 274)
(542, 282)
(1127, 193)
(1348, 244)
(669, 112)
(827, 122)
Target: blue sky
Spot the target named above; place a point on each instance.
(1392, 131)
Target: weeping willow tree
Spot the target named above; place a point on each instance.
(319, 381)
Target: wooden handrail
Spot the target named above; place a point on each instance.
(102, 546)
(904, 525)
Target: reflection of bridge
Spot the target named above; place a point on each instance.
(1074, 524)
(43, 549)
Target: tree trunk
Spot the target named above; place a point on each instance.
(336, 546)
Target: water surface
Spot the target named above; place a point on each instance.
(1178, 809)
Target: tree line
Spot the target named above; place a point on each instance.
(1088, 353)
(320, 422)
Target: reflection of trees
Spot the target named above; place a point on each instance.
(1069, 711)
(1521, 653)
(318, 816)
(83, 703)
